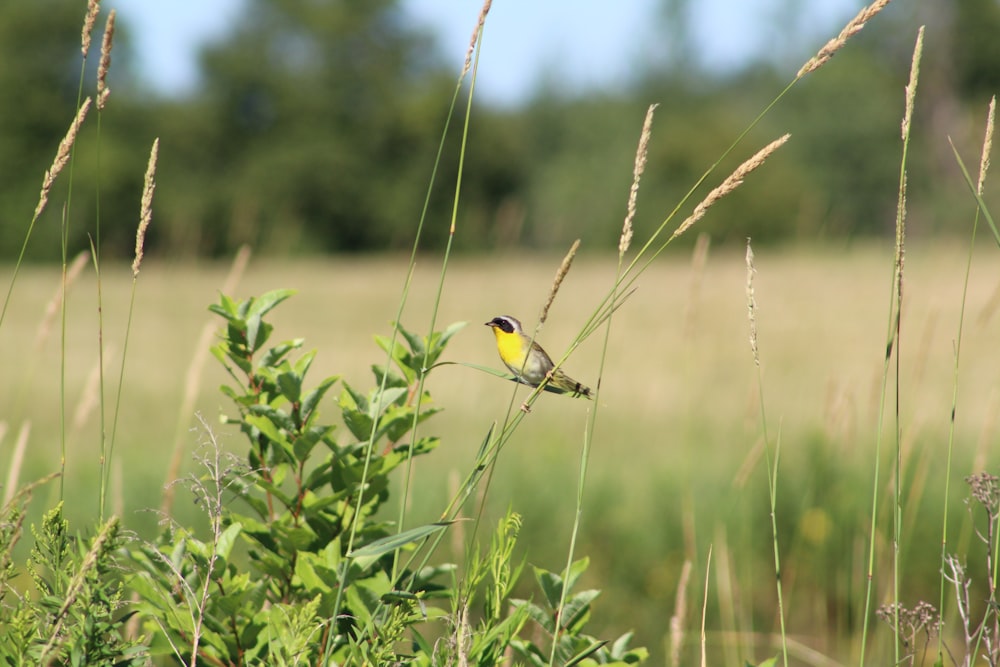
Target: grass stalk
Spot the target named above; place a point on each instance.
(83, 105)
(679, 616)
(704, 606)
(102, 98)
(984, 164)
(145, 218)
(16, 462)
(892, 344)
(772, 471)
(625, 239)
(404, 295)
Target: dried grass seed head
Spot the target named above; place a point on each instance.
(984, 160)
(557, 281)
(732, 182)
(105, 64)
(93, 9)
(62, 157)
(146, 207)
(853, 27)
(637, 168)
(475, 36)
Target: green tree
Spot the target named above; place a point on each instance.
(39, 45)
(315, 129)
(975, 25)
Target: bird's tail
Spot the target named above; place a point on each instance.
(567, 385)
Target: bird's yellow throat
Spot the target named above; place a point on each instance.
(510, 346)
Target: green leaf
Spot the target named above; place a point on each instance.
(305, 571)
(415, 341)
(576, 612)
(304, 363)
(439, 340)
(537, 614)
(267, 427)
(311, 400)
(304, 444)
(620, 647)
(255, 327)
(226, 307)
(391, 379)
(276, 353)
(290, 385)
(368, 554)
(387, 398)
(575, 570)
(585, 653)
(281, 419)
(227, 539)
(357, 420)
(267, 301)
(551, 585)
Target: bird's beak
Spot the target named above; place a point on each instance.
(489, 324)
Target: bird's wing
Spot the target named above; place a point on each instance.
(545, 361)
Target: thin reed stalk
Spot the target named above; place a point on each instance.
(704, 606)
(892, 345)
(625, 239)
(102, 97)
(772, 470)
(984, 165)
(679, 616)
(352, 531)
(145, 218)
(16, 462)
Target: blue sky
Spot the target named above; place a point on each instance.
(581, 43)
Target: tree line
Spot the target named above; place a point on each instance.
(315, 128)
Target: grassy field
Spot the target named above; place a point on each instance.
(676, 465)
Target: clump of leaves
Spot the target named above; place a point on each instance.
(568, 644)
(74, 614)
(294, 592)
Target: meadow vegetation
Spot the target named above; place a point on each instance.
(786, 457)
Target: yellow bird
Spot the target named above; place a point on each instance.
(528, 361)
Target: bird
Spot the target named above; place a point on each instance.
(527, 360)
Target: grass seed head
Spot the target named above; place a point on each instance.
(146, 207)
(102, 69)
(853, 27)
(560, 274)
(637, 169)
(93, 9)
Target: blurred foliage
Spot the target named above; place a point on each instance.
(316, 124)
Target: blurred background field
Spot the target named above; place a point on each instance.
(674, 465)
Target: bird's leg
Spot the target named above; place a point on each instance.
(525, 408)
